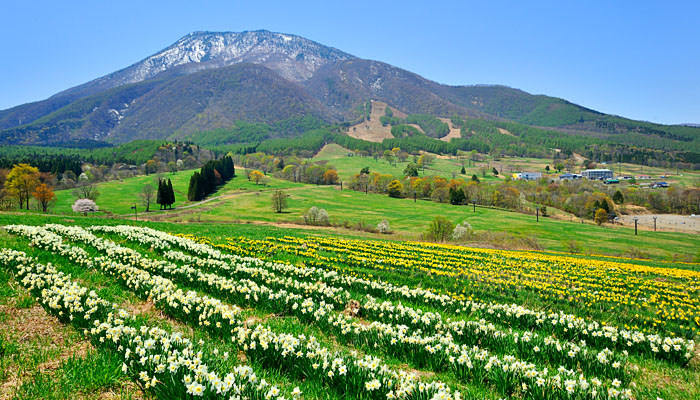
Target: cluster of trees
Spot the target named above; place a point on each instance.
(70, 168)
(517, 139)
(24, 182)
(165, 196)
(54, 163)
(291, 168)
(212, 175)
(582, 198)
(312, 141)
(431, 125)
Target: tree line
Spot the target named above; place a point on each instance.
(212, 175)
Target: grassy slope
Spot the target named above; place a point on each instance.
(117, 196)
(409, 219)
(655, 379)
(245, 201)
(347, 167)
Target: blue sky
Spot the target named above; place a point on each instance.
(631, 58)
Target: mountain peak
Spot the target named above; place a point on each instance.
(292, 57)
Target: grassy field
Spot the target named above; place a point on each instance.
(242, 200)
(348, 166)
(117, 197)
(44, 357)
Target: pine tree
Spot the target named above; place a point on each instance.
(160, 196)
(171, 194)
(618, 198)
(193, 187)
(201, 192)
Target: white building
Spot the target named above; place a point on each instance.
(597, 174)
(528, 176)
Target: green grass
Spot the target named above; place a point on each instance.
(347, 166)
(409, 219)
(90, 375)
(86, 377)
(117, 197)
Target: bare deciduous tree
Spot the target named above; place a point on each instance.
(147, 195)
(86, 191)
(279, 201)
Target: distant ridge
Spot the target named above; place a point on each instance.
(213, 80)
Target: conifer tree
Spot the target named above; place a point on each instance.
(171, 194)
(160, 196)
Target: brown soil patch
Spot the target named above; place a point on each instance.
(29, 327)
(419, 373)
(454, 132)
(149, 309)
(505, 132)
(28, 324)
(79, 349)
(373, 130)
(126, 390)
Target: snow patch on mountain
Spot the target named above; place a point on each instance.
(293, 57)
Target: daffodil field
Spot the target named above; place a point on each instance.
(325, 317)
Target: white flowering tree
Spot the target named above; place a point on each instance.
(383, 227)
(462, 231)
(316, 216)
(84, 206)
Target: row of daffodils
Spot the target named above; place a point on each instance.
(669, 304)
(559, 324)
(168, 365)
(513, 349)
(439, 351)
(383, 332)
(370, 378)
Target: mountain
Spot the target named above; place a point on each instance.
(292, 57)
(216, 80)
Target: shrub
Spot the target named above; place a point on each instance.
(618, 198)
(440, 229)
(383, 227)
(395, 188)
(601, 216)
(462, 231)
(316, 216)
(457, 196)
(572, 246)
